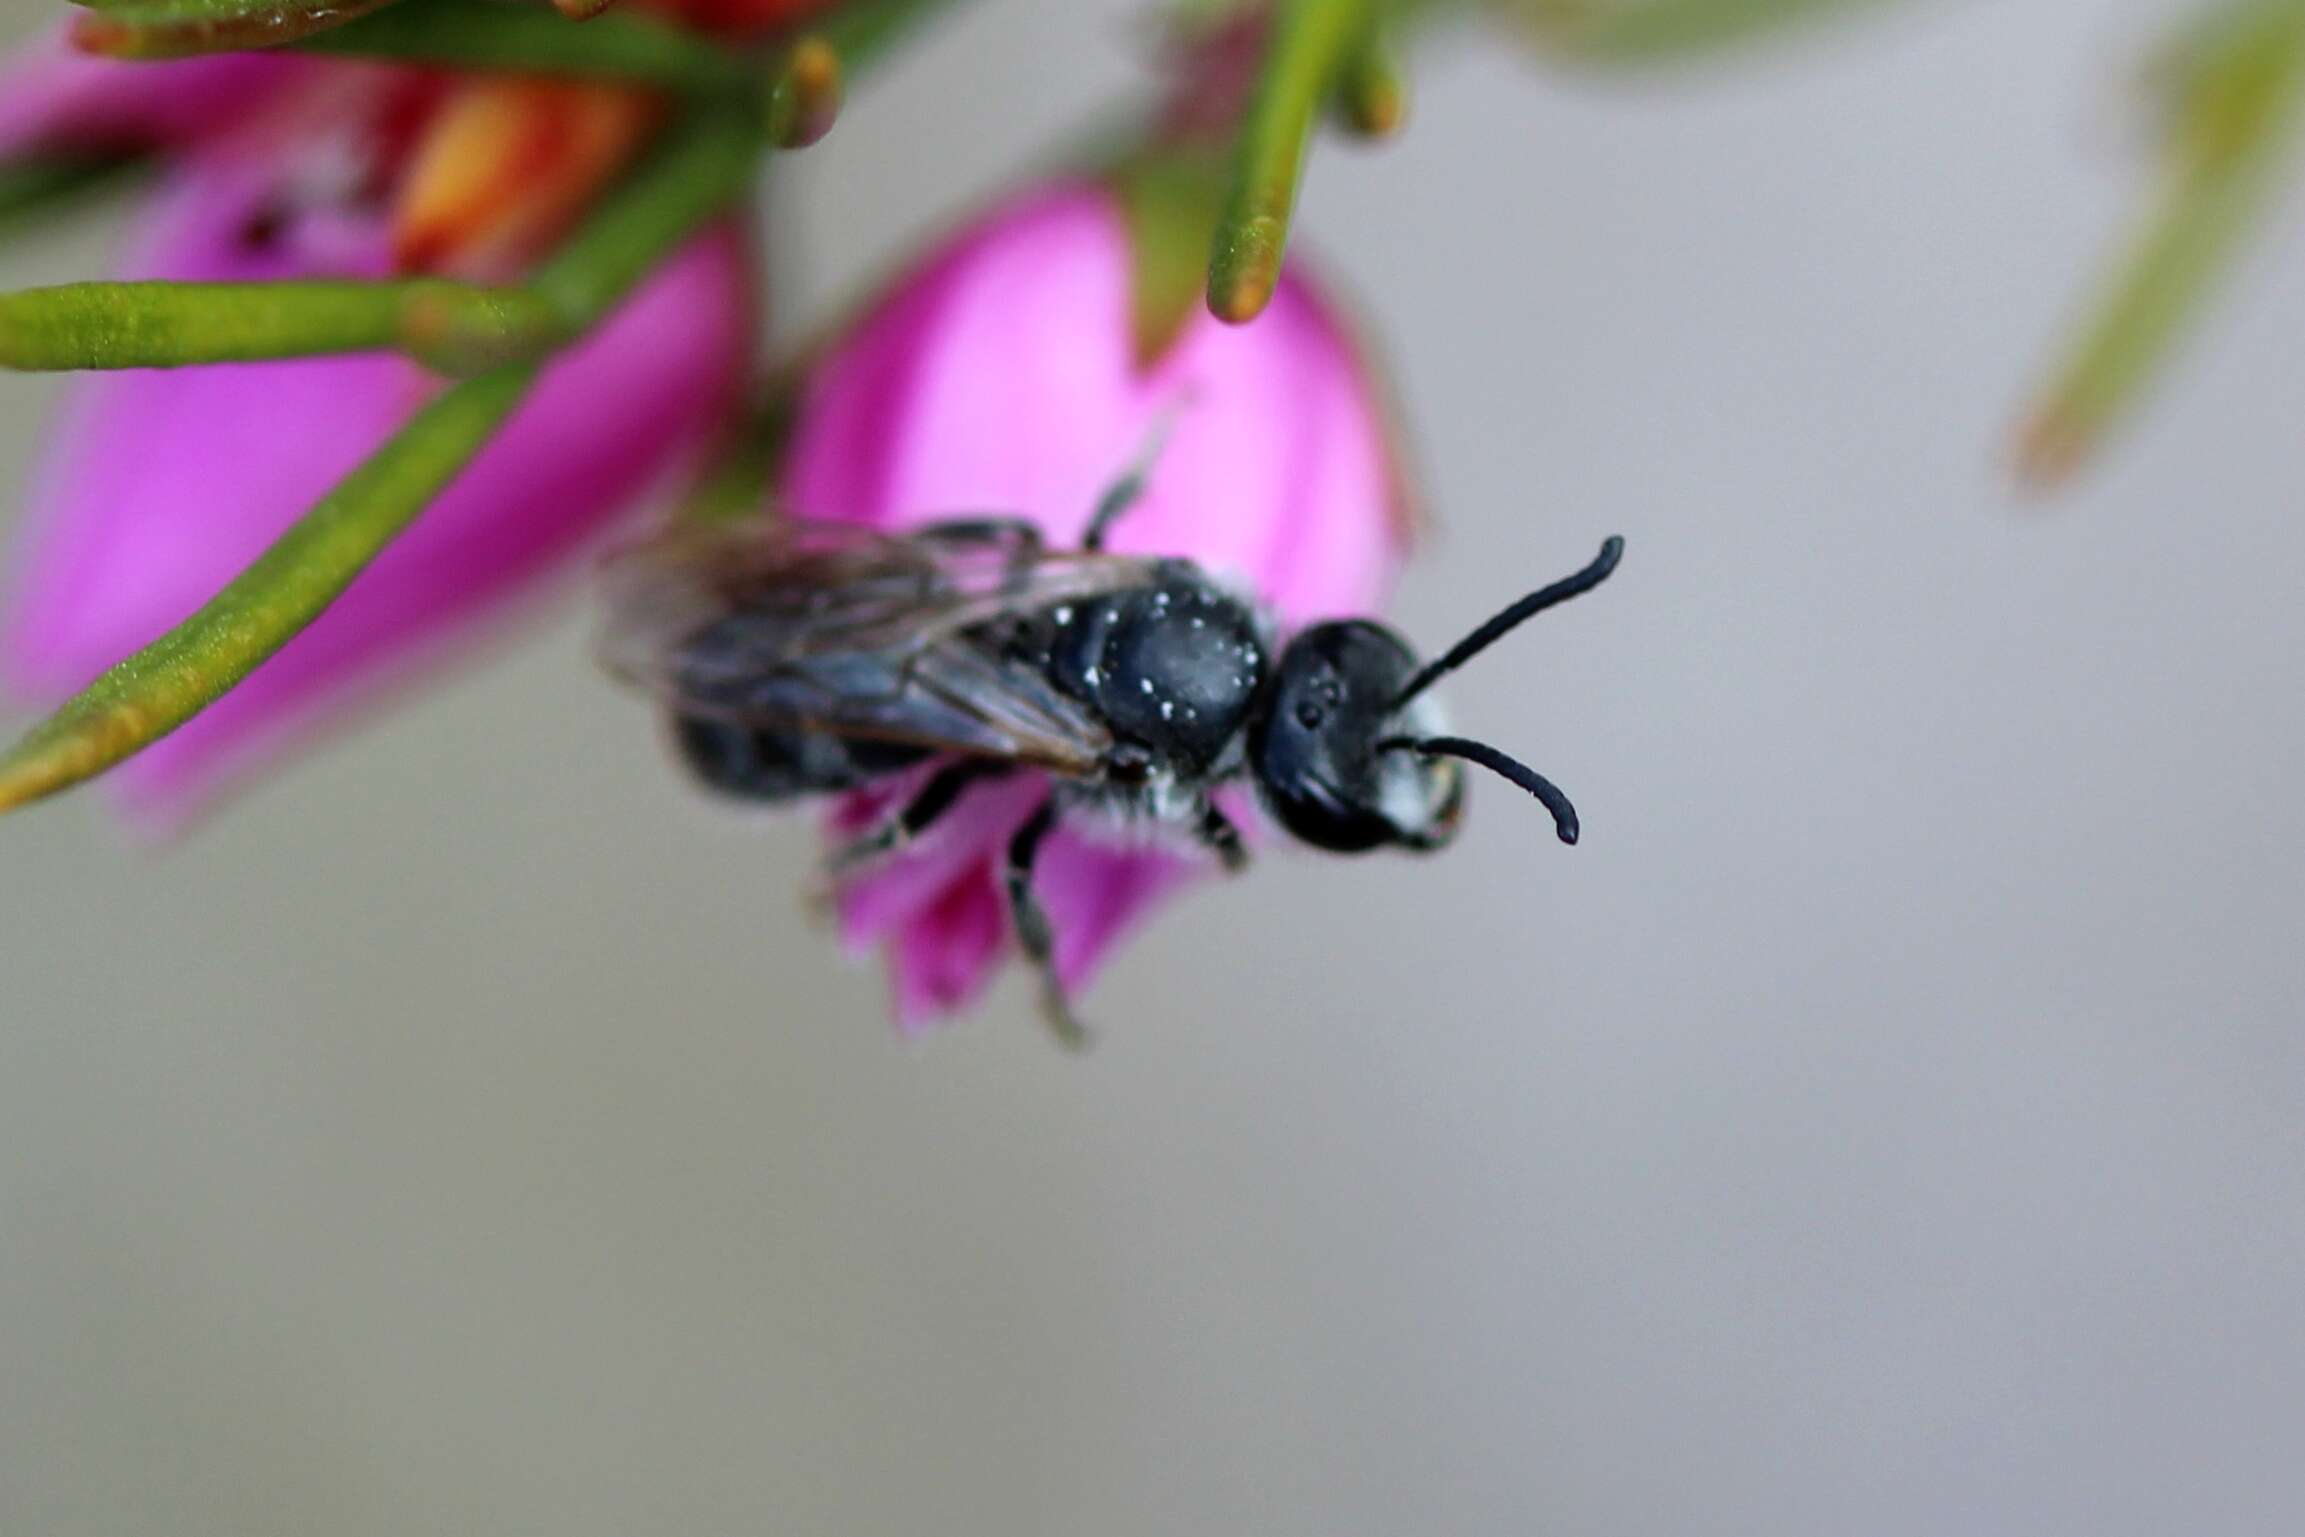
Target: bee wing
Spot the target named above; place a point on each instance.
(828, 627)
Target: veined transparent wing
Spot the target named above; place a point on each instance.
(890, 637)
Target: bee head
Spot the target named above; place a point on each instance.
(1347, 751)
(1316, 750)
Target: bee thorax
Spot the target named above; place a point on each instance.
(1161, 809)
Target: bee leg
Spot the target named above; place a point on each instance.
(942, 792)
(1127, 491)
(1118, 498)
(1033, 934)
(1219, 836)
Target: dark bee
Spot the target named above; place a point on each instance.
(802, 659)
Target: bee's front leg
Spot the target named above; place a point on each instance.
(1217, 833)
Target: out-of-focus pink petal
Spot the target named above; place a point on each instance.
(1096, 893)
(54, 98)
(1002, 376)
(167, 483)
(949, 953)
(884, 900)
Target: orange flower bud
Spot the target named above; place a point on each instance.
(503, 167)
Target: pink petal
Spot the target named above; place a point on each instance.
(54, 98)
(167, 483)
(1095, 894)
(973, 835)
(1002, 376)
(947, 955)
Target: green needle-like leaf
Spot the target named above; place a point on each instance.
(1637, 32)
(804, 94)
(810, 76)
(174, 29)
(691, 178)
(33, 189)
(1310, 43)
(2234, 90)
(452, 326)
(1374, 92)
(267, 605)
(695, 173)
(456, 328)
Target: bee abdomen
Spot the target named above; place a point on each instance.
(769, 765)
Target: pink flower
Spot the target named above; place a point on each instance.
(163, 485)
(1002, 375)
(54, 99)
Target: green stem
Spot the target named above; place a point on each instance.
(267, 605)
(175, 29)
(1310, 42)
(488, 35)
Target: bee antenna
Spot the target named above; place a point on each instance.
(1501, 764)
(1612, 550)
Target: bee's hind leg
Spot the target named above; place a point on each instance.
(1033, 934)
(942, 792)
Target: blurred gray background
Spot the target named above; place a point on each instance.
(1888, 1121)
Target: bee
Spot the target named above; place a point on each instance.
(800, 659)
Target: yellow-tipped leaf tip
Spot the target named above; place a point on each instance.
(104, 37)
(810, 92)
(34, 778)
(1246, 270)
(1380, 115)
(815, 65)
(1240, 300)
(2050, 449)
